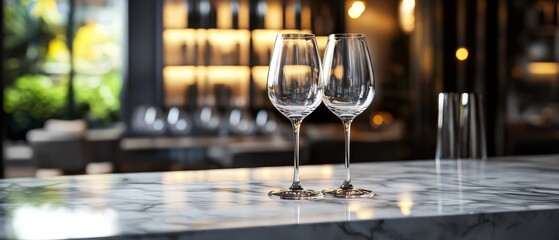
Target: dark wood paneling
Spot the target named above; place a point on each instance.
(450, 29)
(142, 82)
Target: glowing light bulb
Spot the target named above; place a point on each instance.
(407, 17)
(357, 8)
(462, 54)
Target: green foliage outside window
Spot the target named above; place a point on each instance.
(32, 99)
(37, 67)
(98, 96)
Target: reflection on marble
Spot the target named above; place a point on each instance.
(501, 198)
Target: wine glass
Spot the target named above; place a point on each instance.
(294, 88)
(178, 121)
(349, 88)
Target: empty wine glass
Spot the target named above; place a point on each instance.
(294, 89)
(349, 88)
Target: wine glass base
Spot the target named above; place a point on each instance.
(288, 194)
(348, 193)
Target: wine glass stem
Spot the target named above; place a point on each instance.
(347, 129)
(296, 122)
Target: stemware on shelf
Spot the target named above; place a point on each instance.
(349, 88)
(294, 88)
(265, 122)
(148, 119)
(208, 117)
(240, 121)
(178, 121)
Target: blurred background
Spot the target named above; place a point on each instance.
(102, 86)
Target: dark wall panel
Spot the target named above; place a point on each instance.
(142, 84)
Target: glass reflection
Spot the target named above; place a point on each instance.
(53, 222)
(358, 211)
(405, 202)
(297, 213)
(244, 174)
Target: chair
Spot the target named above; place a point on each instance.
(59, 145)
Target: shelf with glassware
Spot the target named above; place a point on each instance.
(209, 73)
(215, 56)
(532, 109)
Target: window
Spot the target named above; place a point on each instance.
(63, 59)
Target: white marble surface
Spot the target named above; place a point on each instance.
(501, 198)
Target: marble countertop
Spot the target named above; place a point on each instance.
(504, 198)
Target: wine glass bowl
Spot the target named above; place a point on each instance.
(349, 88)
(294, 88)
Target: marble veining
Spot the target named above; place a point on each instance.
(501, 198)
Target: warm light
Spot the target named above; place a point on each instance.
(227, 74)
(266, 174)
(225, 10)
(543, 68)
(224, 15)
(179, 45)
(225, 41)
(175, 14)
(235, 77)
(407, 17)
(176, 79)
(360, 212)
(321, 42)
(292, 9)
(55, 222)
(405, 203)
(184, 46)
(356, 9)
(170, 178)
(260, 76)
(338, 72)
(306, 17)
(290, 16)
(264, 39)
(381, 118)
(365, 214)
(274, 15)
(462, 54)
(327, 171)
(295, 72)
(378, 120)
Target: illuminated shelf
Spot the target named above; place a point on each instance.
(221, 49)
(177, 80)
